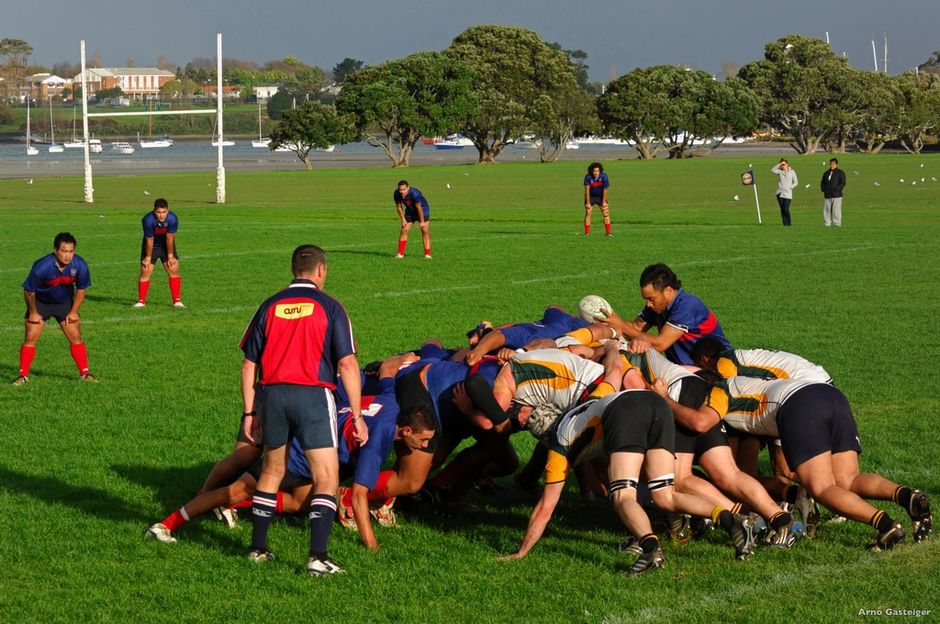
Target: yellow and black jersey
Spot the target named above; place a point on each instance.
(553, 376)
(770, 364)
(755, 403)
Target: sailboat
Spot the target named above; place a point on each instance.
(264, 141)
(215, 141)
(30, 150)
(164, 141)
(54, 148)
(75, 143)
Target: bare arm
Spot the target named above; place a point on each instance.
(490, 342)
(629, 329)
(251, 426)
(171, 247)
(587, 195)
(148, 252)
(666, 337)
(360, 507)
(698, 420)
(32, 315)
(76, 304)
(538, 521)
(349, 372)
(401, 213)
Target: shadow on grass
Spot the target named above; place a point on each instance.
(173, 486)
(87, 499)
(8, 372)
(120, 301)
(359, 252)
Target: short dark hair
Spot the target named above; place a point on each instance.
(419, 418)
(595, 165)
(659, 276)
(306, 259)
(706, 346)
(783, 160)
(160, 203)
(834, 160)
(403, 183)
(62, 237)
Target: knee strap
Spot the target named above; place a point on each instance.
(621, 484)
(664, 481)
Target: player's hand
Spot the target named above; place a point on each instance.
(660, 387)
(604, 205)
(587, 205)
(71, 318)
(473, 357)
(461, 399)
(404, 224)
(172, 262)
(505, 354)
(361, 431)
(34, 318)
(639, 344)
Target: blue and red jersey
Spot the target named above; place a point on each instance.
(381, 414)
(157, 230)
(554, 323)
(54, 285)
(597, 185)
(412, 199)
(688, 314)
(297, 337)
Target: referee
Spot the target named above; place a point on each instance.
(294, 345)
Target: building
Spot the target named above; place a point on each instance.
(264, 92)
(139, 83)
(44, 86)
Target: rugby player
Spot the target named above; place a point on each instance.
(555, 322)
(820, 441)
(412, 206)
(680, 318)
(159, 243)
(595, 194)
(55, 287)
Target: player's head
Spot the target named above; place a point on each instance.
(403, 186)
(160, 208)
(64, 246)
(659, 286)
(309, 261)
(595, 165)
(705, 352)
(783, 164)
(416, 427)
(833, 163)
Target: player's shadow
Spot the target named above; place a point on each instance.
(8, 370)
(172, 485)
(360, 252)
(85, 498)
(121, 301)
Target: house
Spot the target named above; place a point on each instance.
(44, 86)
(138, 83)
(264, 92)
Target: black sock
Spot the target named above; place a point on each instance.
(263, 507)
(649, 542)
(902, 496)
(790, 494)
(725, 519)
(780, 520)
(322, 512)
(881, 521)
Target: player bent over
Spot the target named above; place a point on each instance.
(55, 287)
(595, 194)
(412, 206)
(159, 243)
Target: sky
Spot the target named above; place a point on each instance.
(617, 35)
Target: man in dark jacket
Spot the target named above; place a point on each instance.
(833, 181)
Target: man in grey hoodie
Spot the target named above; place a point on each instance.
(785, 188)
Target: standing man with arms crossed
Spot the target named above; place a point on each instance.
(595, 194)
(787, 182)
(294, 344)
(56, 287)
(412, 206)
(159, 243)
(833, 181)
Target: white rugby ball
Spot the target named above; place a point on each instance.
(590, 308)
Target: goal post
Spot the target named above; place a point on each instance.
(220, 169)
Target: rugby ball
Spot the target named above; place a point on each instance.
(590, 308)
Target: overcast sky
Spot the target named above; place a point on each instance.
(617, 35)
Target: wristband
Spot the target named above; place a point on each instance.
(251, 413)
(355, 418)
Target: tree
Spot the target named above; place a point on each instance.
(280, 102)
(513, 69)
(798, 81)
(569, 113)
(311, 125)
(919, 112)
(107, 94)
(878, 122)
(420, 95)
(344, 68)
(14, 59)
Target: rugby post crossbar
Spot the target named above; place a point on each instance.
(220, 171)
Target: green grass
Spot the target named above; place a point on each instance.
(88, 467)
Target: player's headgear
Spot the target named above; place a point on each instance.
(542, 418)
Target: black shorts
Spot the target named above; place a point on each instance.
(159, 253)
(307, 413)
(596, 200)
(411, 216)
(816, 419)
(636, 422)
(411, 393)
(688, 441)
(58, 310)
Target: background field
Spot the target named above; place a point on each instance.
(87, 468)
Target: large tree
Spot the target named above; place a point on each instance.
(878, 119)
(311, 125)
(919, 113)
(515, 75)
(799, 81)
(343, 69)
(398, 102)
(14, 60)
(569, 113)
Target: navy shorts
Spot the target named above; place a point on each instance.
(159, 253)
(411, 215)
(814, 420)
(596, 200)
(307, 413)
(636, 422)
(58, 310)
(688, 441)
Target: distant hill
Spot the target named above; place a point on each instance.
(932, 65)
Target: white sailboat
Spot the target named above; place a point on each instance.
(262, 140)
(75, 143)
(54, 148)
(163, 141)
(215, 141)
(30, 150)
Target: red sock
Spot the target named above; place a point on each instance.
(142, 288)
(175, 288)
(587, 229)
(347, 498)
(401, 247)
(427, 251)
(244, 503)
(80, 357)
(27, 354)
(607, 228)
(279, 504)
(174, 521)
(379, 491)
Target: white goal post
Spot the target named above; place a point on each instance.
(220, 169)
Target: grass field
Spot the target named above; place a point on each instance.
(87, 468)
